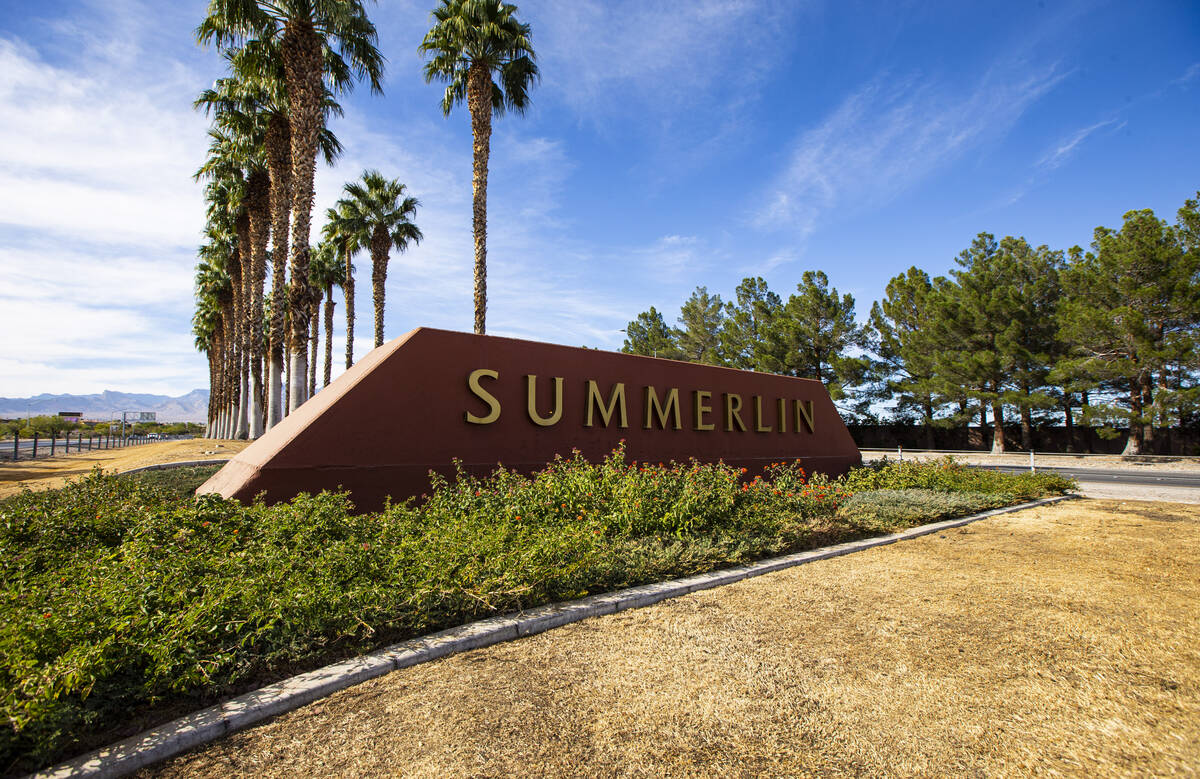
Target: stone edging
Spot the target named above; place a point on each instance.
(167, 466)
(210, 724)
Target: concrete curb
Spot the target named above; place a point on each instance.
(210, 724)
(168, 466)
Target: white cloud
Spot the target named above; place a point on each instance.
(96, 157)
(888, 136)
(1065, 148)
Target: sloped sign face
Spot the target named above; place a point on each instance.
(422, 400)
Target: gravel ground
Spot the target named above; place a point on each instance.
(1063, 640)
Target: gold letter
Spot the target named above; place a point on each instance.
(733, 411)
(782, 419)
(672, 408)
(702, 408)
(804, 412)
(484, 395)
(758, 425)
(593, 402)
(531, 401)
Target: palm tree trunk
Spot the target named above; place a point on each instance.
(316, 341)
(328, 334)
(301, 48)
(479, 102)
(379, 261)
(246, 280)
(278, 143)
(258, 204)
(348, 289)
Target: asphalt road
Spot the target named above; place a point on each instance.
(1106, 476)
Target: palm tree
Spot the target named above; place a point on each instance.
(209, 326)
(470, 41)
(340, 231)
(377, 210)
(259, 84)
(328, 270)
(228, 231)
(238, 148)
(316, 38)
(218, 263)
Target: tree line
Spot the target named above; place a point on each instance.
(288, 63)
(1105, 338)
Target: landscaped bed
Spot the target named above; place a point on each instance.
(127, 601)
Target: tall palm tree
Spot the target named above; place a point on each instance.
(378, 211)
(258, 83)
(218, 266)
(471, 42)
(237, 148)
(328, 270)
(209, 326)
(316, 38)
(229, 232)
(340, 231)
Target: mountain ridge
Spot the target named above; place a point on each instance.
(188, 407)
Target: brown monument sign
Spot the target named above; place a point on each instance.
(420, 401)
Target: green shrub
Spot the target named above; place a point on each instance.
(946, 475)
(889, 510)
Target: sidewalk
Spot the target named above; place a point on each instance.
(1024, 644)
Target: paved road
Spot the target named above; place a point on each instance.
(1113, 476)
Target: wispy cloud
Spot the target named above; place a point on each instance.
(95, 158)
(1189, 75)
(1065, 148)
(655, 56)
(888, 136)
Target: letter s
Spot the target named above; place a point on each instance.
(484, 395)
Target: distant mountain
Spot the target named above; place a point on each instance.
(192, 407)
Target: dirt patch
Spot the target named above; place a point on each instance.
(1064, 639)
(51, 473)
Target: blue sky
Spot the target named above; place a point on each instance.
(665, 149)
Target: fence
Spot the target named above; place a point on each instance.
(39, 446)
(1085, 440)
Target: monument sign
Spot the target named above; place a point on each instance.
(420, 401)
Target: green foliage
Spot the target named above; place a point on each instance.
(178, 483)
(946, 475)
(747, 324)
(123, 594)
(700, 337)
(886, 510)
(649, 335)
(481, 35)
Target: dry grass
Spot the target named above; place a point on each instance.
(51, 473)
(1062, 640)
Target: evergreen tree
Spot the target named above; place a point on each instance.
(700, 338)
(743, 336)
(1130, 317)
(650, 336)
(812, 335)
(905, 346)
